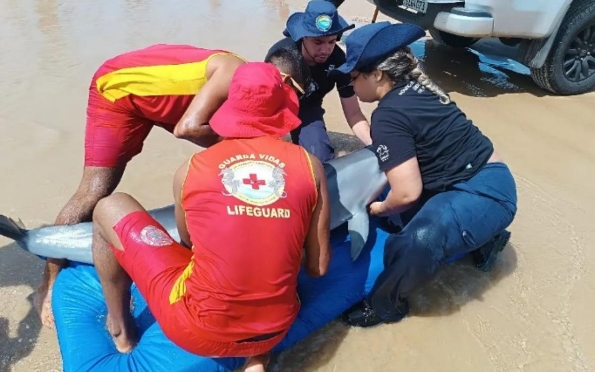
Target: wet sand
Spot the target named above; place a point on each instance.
(533, 312)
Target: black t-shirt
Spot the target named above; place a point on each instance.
(411, 121)
(322, 83)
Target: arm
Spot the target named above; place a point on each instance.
(194, 124)
(317, 243)
(394, 144)
(179, 178)
(405, 189)
(356, 119)
(349, 102)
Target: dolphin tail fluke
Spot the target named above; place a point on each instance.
(359, 226)
(11, 229)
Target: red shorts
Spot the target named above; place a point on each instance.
(155, 262)
(114, 134)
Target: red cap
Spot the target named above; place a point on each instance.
(259, 104)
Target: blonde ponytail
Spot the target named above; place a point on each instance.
(403, 65)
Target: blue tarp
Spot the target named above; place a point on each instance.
(80, 311)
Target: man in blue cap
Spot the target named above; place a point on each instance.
(314, 33)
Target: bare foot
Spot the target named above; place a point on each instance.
(43, 304)
(124, 336)
(256, 363)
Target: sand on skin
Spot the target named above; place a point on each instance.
(532, 313)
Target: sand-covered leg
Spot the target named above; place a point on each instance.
(115, 281)
(96, 183)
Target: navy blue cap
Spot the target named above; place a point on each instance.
(320, 19)
(369, 44)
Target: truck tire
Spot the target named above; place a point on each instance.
(454, 41)
(570, 67)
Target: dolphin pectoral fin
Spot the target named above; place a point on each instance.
(358, 227)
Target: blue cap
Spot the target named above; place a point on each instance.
(320, 19)
(371, 43)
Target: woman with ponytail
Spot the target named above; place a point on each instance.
(451, 191)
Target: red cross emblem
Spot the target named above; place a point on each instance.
(254, 181)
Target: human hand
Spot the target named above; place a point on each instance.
(376, 209)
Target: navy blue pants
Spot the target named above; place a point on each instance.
(312, 134)
(447, 224)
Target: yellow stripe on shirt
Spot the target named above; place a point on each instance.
(160, 80)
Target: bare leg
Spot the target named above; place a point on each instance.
(96, 183)
(114, 280)
(257, 363)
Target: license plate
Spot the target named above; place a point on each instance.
(417, 5)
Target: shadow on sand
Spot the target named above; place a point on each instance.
(18, 268)
(487, 69)
(460, 283)
(312, 353)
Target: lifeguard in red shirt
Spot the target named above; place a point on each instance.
(175, 87)
(248, 206)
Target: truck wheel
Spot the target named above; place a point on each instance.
(570, 67)
(454, 41)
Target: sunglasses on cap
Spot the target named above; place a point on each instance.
(303, 93)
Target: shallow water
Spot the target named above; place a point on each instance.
(532, 313)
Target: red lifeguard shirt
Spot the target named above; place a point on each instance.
(248, 206)
(157, 82)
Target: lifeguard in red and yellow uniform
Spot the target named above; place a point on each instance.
(175, 87)
(248, 207)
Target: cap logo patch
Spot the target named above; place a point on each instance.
(324, 22)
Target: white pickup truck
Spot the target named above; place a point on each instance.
(556, 38)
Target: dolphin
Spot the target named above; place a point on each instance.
(354, 181)
(71, 242)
